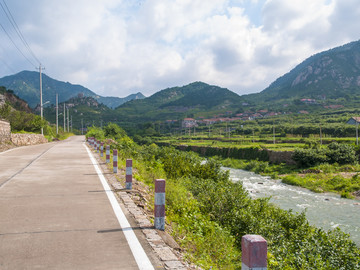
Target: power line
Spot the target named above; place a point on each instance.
(17, 29)
(16, 46)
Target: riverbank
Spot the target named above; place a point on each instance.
(324, 210)
(343, 180)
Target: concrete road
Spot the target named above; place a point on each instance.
(54, 213)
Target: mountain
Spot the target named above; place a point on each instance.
(328, 75)
(113, 102)
(84, 111)
(25, 84)
(195, 99)
(8, 97)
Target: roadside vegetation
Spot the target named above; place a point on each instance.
(208, 214)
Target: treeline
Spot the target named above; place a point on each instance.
(19, 114)
(209, 213)
(305, 130)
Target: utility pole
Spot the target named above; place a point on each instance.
(64, 118)
(82, 127)
(57, 114)
(274, 132)
(41, 99)
(320, 136)
(71, 123)
(357, 133)
(68, 120)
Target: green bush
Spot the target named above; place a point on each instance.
(341, 153)
(334, 153)
(95, 132)
(309, 157)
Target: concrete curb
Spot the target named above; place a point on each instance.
(165, 253)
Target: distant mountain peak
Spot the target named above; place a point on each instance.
(321, 74)
(25, 84)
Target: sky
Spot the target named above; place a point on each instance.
(121, 47)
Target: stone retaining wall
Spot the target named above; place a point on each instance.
(5, 131)
(281, 156)
(27, 139)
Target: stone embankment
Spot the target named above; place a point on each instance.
(5, 131)
(27, 139)
(9, 140)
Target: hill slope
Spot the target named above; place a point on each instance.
(330, 75)
(173, 103)
(25, 84)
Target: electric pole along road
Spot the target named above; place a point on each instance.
(56, 213)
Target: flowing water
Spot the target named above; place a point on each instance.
(323, 210)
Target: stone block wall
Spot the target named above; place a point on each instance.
(27, 139)
(281, 156)
(5, 131)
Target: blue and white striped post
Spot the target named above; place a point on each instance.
(108, 154)
(98, 147)
(128, 179)
(115, 160)
(159, 211)
(253, 252)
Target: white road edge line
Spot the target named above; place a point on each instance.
(140, 256)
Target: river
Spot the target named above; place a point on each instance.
(323, 210)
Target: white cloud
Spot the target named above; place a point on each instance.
(118, 47)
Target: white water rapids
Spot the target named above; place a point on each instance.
(323, 210)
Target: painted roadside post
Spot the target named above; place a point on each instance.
(102, 149)
(159, 204)
(108, 154)
(98, 147)
(115, 160)
(128, 178)
(254, 252)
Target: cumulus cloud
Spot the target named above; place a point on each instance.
(118, 47)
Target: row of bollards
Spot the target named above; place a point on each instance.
(254, 247)
(159, 211)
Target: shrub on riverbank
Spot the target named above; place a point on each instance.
(333, 153)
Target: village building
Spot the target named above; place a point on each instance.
(353, 121)
(189, 123)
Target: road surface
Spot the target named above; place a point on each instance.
(55, 214)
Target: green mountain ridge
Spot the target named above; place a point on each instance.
(25, 84)
(179, 102)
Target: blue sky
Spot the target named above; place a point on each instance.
(119, 47)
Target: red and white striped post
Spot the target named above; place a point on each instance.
(254, 252)
(115, 160)
(95, 142)
(101, 149)
(128, 179)
(159, 204)
(108, 154)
